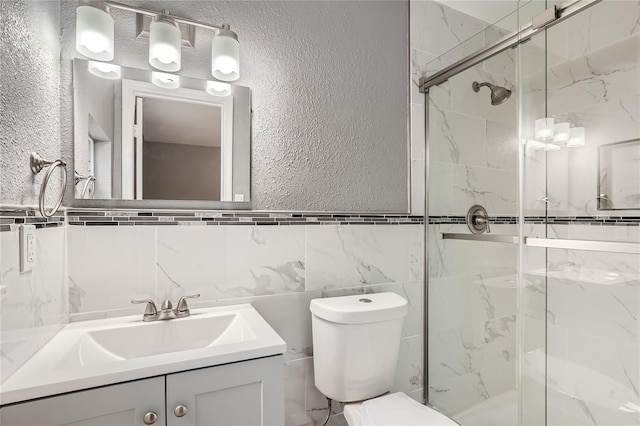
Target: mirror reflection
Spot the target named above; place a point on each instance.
(137, 141)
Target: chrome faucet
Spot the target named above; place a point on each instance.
(166, 312)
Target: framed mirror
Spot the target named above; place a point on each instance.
(618, 175)
(139, 145)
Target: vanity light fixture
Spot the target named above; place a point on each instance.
(561, 132)
(218, 88)
(105, 70)
(577, 137)
(94, 32)
(544, 128)
(165, 43)
(225, 55)
(167, 81)
(94, 39)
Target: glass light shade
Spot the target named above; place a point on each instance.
(104, 70)
(168, 81)
(225, 57)
(217, 88)
(94, 33)
(544, 129)
(165, 42)
(561, 132)
(577, 137)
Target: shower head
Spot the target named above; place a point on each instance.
(499, 94)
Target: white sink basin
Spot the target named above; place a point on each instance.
(101, 352)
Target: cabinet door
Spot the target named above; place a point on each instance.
(117, 405)
(249, 393)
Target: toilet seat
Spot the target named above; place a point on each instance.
(396, 409)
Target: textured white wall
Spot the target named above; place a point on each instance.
(329, 86)
(29, 96)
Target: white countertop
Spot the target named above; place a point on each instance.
(72, 360)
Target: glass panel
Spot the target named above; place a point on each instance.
(580, 333)
(473, 159)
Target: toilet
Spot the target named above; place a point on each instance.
(355, 348)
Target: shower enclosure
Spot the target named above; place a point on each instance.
(535, 321)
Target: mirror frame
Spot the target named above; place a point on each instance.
(241, 130)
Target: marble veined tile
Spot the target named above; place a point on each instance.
(351, 256)
(602, 76)
(602, 25)
(409, 372)
(495, 189)
(109, 266)
(452, 27)
(456, 138)
(262, 260)
(191, 260)
(230, 261)
(478, 104)
(502, 146)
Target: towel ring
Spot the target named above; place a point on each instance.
(89, 180)
(37, 163)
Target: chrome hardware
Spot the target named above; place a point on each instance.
(182, 310)
(166, 311)
(478, 220)
(150, 418)
(180, 411)
(150, 311)
(509, 239)
(545, 18)
(37, 163)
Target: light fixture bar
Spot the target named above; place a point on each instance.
(116, 5)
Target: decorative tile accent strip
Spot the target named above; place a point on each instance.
(9, 219)
(550, 220)
(188, 218)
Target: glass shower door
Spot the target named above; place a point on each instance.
(580, 267)
(472, 294)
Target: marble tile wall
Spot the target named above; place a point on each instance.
(472, 319)
(33, 305)
(278, 269)
(462, 120)
(592, 83)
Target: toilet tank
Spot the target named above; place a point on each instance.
(355, 344)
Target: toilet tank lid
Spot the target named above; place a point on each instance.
(360, 308)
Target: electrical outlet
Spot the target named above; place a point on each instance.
(27, 247)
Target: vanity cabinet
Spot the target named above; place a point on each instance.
(243, 393)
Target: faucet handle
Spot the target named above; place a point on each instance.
(166, 305)
(182, 307)
(150, 309)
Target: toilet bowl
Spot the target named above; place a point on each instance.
(356, 340)
(396, 409)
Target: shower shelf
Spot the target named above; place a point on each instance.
(553, 243)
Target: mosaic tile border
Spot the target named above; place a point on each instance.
(8, 219)
(162, 218)
(550, 220)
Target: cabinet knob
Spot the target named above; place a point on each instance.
(150, 418)
(180, 411)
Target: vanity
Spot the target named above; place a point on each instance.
(219, 366)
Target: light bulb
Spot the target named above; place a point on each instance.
(165, 44)
(561, 132)
(577, 138)
(94, 33)
(225, 55)
(544, 129)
